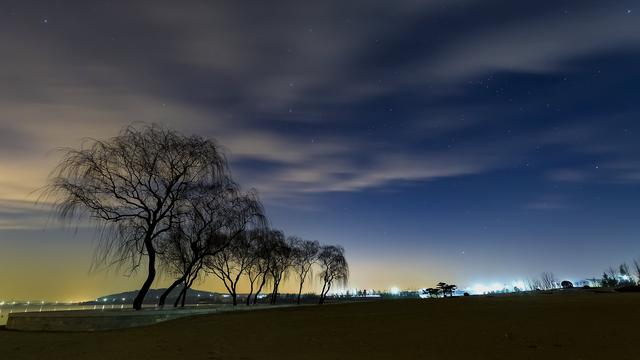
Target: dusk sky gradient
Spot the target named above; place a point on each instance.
(460, 141)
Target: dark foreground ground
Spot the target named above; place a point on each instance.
(553, 326)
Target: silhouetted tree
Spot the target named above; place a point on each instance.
(548, 281)
(534, 283)
(305, 254)
(211, 220)
(132, 185)
(450, 288)
(432, 292)
(230, 264)
(625, 276)
(445, 288)
(195, 234)
(272, 239)
(334, 268)
(608, 280)
(258, 268)
(636, 267)
(566, 284)
(281, 258)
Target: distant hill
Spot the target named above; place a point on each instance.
(193, 296)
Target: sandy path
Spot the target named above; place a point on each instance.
(559, 326)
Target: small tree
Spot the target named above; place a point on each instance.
(608, 280)
(442, 286)
(534, 283)
(432, 292)
(548, 281)
(334, 268)
(305, 254)
(450, 288)
(566, 284)
(625, 276)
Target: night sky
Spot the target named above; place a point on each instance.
(437, 140)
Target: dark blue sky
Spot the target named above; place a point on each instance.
(467, 141)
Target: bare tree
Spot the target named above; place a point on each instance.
(625, 275)
(636, 268)
(131, 186)
(534, 283)
(548, 281)
(334, 268)
(304, 255)
(266, 260)
(231, 263)
(281, 258)
(195, 235)
(212, 220)
(258, 271)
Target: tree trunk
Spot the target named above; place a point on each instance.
(187, 287)
(184, 297)
(264, 280)
(182, 294)
(164, 295)
(300, 292)
(322, 293)
(137, 302)
(274, 294)
(250, 292)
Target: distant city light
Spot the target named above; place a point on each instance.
(479, 288)
(394, 291)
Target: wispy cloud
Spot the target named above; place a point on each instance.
(304, 96)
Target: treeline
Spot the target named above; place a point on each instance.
(621, 276)
(167, 201)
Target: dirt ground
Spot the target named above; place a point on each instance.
(551, 326)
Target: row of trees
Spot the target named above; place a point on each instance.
(168, 201)
(546, 281)
(620, 276)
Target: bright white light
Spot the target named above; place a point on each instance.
(519, 284)
(394, 291)
(483, 289)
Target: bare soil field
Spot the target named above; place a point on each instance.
(576, 325)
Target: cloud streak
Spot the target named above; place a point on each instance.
(322, 96)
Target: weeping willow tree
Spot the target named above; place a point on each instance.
(334, 268)
(133, 187)
(305, 255)
(212, 218)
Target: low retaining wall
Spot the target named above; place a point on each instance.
(95, 320)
